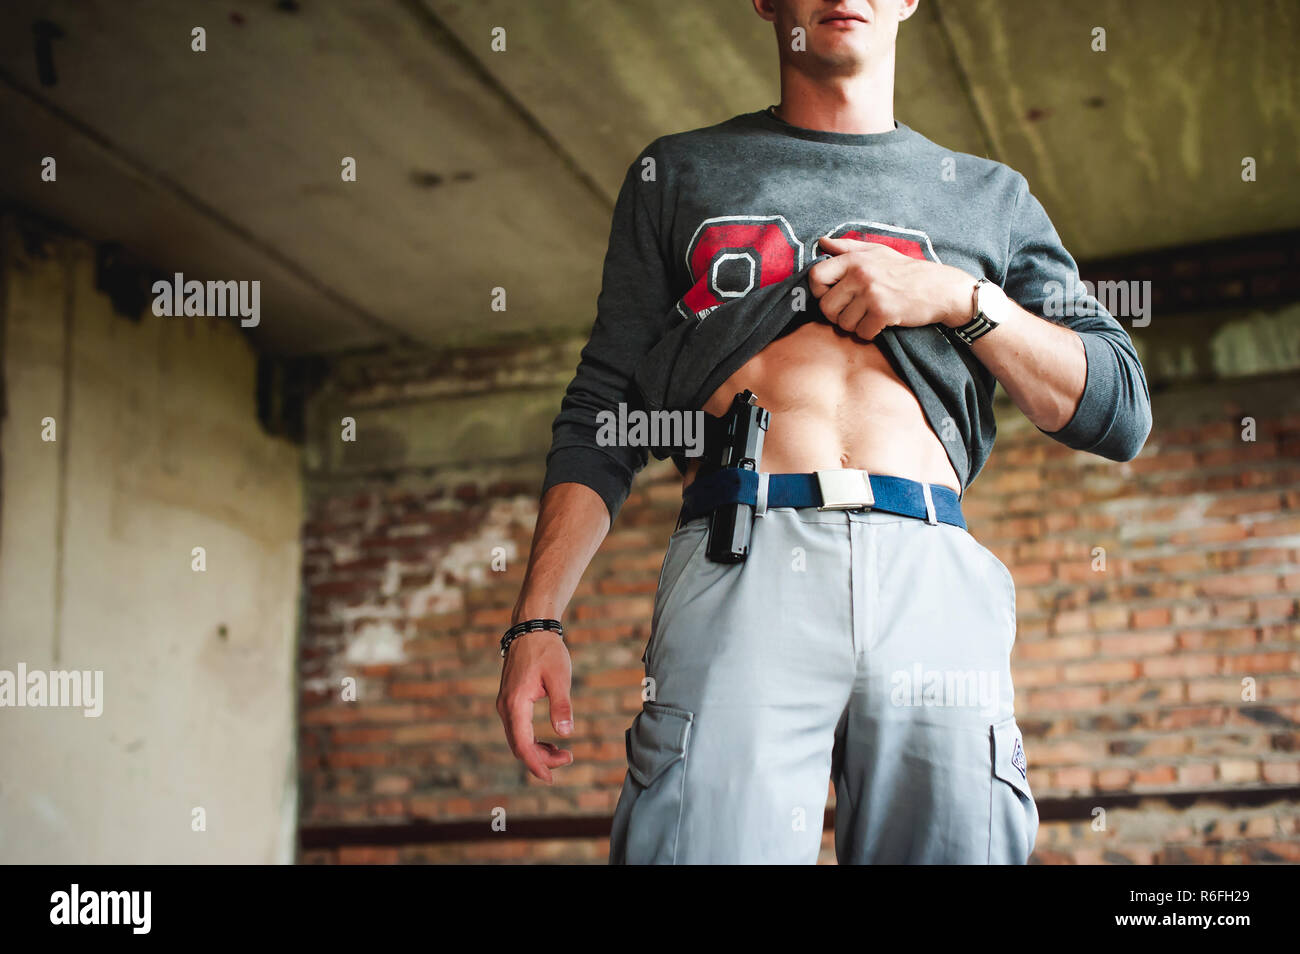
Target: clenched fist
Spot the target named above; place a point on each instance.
(868, 287)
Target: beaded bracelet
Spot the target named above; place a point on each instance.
(530, 626)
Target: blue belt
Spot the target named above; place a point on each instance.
(824, 489)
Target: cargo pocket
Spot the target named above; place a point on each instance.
(1013, 816)
(649, 812)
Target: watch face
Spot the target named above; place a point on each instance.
(989, 301)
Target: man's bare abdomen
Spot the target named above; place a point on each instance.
(835, 403)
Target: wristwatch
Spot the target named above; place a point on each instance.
(987, 302)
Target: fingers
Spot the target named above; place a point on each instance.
(844, 306)
(519, 731)
(522, 686)
(538, 757)
(557, 689)
(554, 755)
(838, 246)
(871, 325)
(853, 315)
(823, 275)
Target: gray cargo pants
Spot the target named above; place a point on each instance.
(860, 647)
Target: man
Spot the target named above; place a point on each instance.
(865, 637)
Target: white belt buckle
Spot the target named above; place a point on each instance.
(845, 490)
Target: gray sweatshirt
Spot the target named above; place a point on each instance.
(712, 237)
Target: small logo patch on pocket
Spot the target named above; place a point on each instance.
(1018, 759)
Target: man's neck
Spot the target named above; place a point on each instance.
(863, 103)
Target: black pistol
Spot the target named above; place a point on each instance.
(742, 446)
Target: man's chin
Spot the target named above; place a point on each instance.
(841, 61)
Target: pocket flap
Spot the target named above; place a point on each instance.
(1009, 762)
(656, 740)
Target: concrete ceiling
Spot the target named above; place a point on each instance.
(480, 169)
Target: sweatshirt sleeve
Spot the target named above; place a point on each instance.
(1113, 418)
(631, 311)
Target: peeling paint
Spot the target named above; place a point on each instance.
(468, 561)
(376, 630)
(342, 549)
(376, 643)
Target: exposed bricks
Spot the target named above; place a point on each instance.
(1176, 619)
(1262, 270)
(1158, 619)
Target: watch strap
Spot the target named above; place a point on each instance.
(981, 324)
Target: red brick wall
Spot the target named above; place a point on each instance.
(1129, 680)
